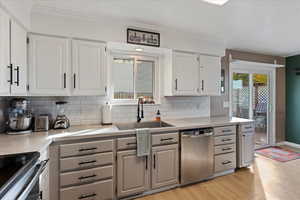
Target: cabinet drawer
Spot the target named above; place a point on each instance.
(67, 150)
(226, 130)
(84, 176)
(226, 139)
(82, 162)
(126, 143)
(225, 162)
(227, 148)
(102, 190)
(248, 127)
(168, 138)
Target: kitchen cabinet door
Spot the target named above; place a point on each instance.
(49, 62)
(4, 54)
(165, 166)
(186, 74)
(18, 59)
(210, 75)
(248, 146)
(132, 173)
(88, 68)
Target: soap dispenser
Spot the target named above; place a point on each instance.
(158, 118)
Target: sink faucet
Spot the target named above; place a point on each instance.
(140, 110)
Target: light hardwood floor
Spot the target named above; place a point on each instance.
(265, 180)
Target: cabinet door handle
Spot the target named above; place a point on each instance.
(176, 84)
(87, 177)
(11, 74)
(226, 131)
(87, 196)
(202, 85)
(146, 162)
(17, 69)
(74, 76)
(65, 81)
(88, 149)
(154, 161)
(87, 162)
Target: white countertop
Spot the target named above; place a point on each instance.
(39, 141)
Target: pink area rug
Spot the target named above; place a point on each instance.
(279, 154)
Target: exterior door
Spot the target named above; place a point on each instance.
(4, 54)
(132, 173)
(88, 68)
(18, 59)
(49, 65)
(210, 75)
(251, 99)
(164, 166)
(186, 74)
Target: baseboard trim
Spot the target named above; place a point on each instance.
(291, 144)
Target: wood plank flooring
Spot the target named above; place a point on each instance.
(265, 180)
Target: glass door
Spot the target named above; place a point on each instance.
(251, 100)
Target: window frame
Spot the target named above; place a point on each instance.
(136, 57)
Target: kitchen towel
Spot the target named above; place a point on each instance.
(143, 138)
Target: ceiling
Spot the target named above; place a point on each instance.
(265, 26)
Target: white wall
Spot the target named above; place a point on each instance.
(19, 9)
(110, 29)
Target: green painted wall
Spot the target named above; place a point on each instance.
(293, 100)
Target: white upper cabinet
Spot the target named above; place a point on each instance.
(192, 74)
(88, 68)
(4, 54)
(13, 57)
(186, 74)
(49, 64)
(18, 59)
(210, 75)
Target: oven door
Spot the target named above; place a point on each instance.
(31, 191)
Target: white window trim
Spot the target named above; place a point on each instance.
(135, 55)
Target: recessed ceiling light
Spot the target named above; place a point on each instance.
(139, 49)
(216, 2)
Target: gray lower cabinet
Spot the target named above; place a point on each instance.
(165, 166)
(132, 173)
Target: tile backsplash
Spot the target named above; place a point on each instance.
(87, 110)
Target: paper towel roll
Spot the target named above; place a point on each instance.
(106, 114)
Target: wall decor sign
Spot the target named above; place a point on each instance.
(143, 37)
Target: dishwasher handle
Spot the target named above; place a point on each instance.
(197, 136)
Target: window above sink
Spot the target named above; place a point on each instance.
(135, 73)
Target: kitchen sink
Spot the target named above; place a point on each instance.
(135, 125)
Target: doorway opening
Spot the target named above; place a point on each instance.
(251, 98)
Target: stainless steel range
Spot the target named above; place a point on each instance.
(197, 155)
(19, 176)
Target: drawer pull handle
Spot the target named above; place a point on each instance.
(88, 149)
(226, 131)
(226, 149)
(87, 196)
(166, 139)
(87, 177)
(131, 143)
(226, 162)
(225, 140)
(248, 127)
(87, 162)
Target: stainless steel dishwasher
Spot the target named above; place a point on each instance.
(197, 155)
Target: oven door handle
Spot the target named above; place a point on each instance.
(40, 168)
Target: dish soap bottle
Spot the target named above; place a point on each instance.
(158, 118)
